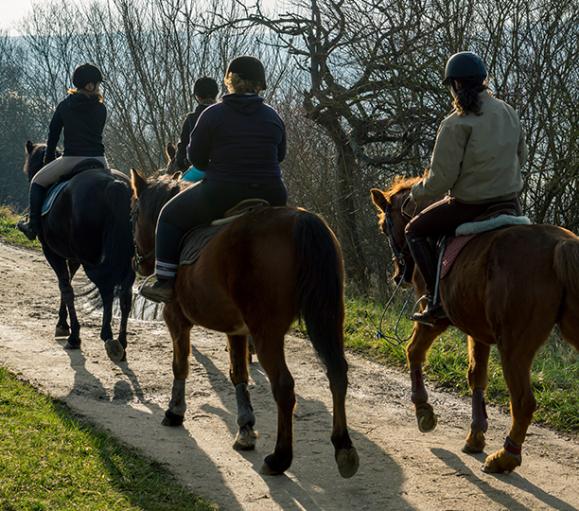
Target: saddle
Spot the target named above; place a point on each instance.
(197, 239)
(498, 215)
(56, 189)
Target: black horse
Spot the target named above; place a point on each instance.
(89, 225)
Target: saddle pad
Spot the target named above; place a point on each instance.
(453, 248)
(53, 193)
(490, 224)
(195, 241)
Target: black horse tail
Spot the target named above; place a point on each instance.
(118, 239)
(320, 289)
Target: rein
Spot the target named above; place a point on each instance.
(139, 258)
(396, 339)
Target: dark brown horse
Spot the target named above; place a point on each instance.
(508, 287)
(255, 277)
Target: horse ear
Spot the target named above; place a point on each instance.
(177, 175)
(138, 182)
(379, 199)
(170, 152)
(29, 146)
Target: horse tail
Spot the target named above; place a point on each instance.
(118, 239)
(320, 289)
(566, 265)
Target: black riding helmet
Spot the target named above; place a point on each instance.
(464, 65)
(248, 68)
(85, 74)
(206, 88)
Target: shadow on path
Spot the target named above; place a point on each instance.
(500, 497)
(314, 482)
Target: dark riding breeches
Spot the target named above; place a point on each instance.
(437, 220)
(200, 205)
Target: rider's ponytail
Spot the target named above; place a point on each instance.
(467, 98)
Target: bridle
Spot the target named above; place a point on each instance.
(139, 258)
(389, 231)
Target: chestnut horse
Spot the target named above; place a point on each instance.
(256, 276)
(507, 287)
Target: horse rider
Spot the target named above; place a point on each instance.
(82, 116)
(205, 91)
(476, 161)
(239, 143)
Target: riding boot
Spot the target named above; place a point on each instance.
(425, 258)
(31, 229)
(161, 290)
(167, 244)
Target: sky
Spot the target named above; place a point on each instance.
(11, 11)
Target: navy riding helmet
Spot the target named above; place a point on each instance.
(464, 65)
(85, 74)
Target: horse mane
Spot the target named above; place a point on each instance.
(401, 184)
(161, 189)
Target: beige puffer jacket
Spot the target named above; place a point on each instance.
(476, 158)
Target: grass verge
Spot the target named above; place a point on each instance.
(555, 372)
(51, 460)
(10, 234)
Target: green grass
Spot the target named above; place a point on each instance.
(10, 234)
(50, 460)
(555, 373)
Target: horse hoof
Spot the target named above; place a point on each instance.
(72, 345)
(115, 350)
(425, 417)
(348, 462)
(245, 439)
(475, 442)
(172, 419)
(501, 461)
(61, 331)
(274, 465)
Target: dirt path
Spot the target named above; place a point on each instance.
(400, 468)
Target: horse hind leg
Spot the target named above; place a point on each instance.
(62, 327)
(113, 347)
(125, 303)
(238, 357)
(271, 357)
(60, 267)
(478, 357)
(516, 362)
(422, 338)
(180, 329)
(345, 453)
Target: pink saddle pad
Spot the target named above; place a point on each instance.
(453, 248)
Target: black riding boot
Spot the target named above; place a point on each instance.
(425, 258)
(36, 199)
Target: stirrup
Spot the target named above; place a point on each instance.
(431, 314)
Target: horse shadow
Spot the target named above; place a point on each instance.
(140, 427)
(500, 497)
(314, 483)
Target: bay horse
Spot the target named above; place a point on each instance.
(255, 277)
(507, 287)
(89, 225)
